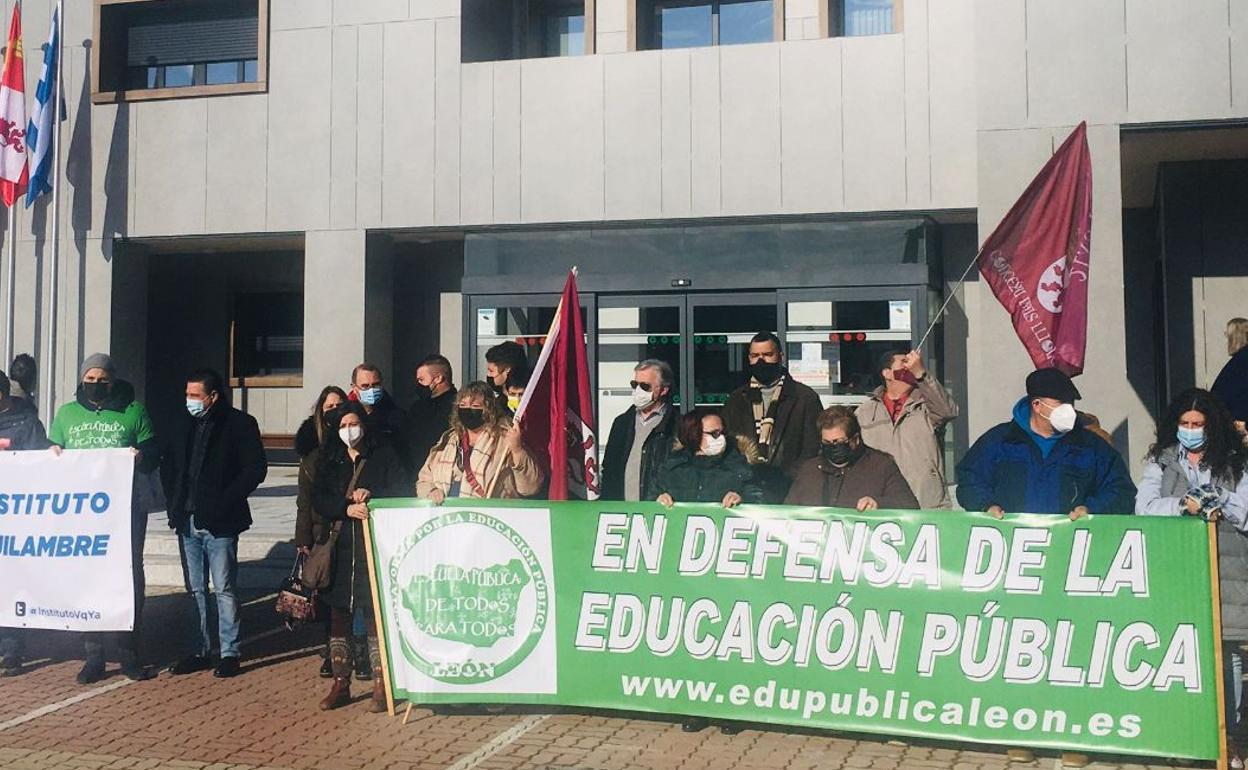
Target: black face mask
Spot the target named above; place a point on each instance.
(839, 453)
(765, 372)
(423, 392)
(470, 418)
(96, 392)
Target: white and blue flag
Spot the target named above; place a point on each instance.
(41, 132)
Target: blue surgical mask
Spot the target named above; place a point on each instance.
(195, 407)
(1191, 438)
(370, 396)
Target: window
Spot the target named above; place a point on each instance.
(497, 30)
(557, 29)
(267, 334)
(693, 23)
(164, 48)
(856, 18)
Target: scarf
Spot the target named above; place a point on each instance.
(765, 423)
(464, 461)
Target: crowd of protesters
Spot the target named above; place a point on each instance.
(773, 442)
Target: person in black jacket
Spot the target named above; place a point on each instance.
(382, 415)
(215, 461)
(311, 529)
(709, 466)
(352, 468)
(641, 438)
(20, 430)
(430, 416)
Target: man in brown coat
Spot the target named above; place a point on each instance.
(903, 418)
(848, 473)
(777, 413)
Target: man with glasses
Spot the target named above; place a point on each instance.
(641, 438)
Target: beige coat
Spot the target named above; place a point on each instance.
(912, 439)
(504, 476)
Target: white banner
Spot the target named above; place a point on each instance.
(65, 540)
(467, 598)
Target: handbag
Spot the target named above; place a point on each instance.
(295, 601)
(318, 567)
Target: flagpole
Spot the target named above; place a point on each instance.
(49, 379)
(12, 294)
(952, 292)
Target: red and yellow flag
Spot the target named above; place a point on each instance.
(14, 173)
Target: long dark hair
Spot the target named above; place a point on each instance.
(333, 451)
(318, 419)
(1224, 451)
(689, 429)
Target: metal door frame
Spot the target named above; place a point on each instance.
(722, 299)
(474, 302)
(677, 300)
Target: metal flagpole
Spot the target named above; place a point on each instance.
(11, 294)
(49, 378)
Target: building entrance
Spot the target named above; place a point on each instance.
(833, 337)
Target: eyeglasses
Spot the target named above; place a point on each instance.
(645, 386)
(713, 433)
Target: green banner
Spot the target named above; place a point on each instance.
(1031, 631)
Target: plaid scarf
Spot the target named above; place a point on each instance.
(765, 423)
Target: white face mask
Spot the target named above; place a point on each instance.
(1063, 418)
(351, 435)
(714, 446)
(642, 399)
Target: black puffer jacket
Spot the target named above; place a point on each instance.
(694, 478)
(383, 475)
(20, 428)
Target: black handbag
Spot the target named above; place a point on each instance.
(296, 602)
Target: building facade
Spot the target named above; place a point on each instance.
(282, 189)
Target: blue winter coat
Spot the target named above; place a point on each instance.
(1005, 467)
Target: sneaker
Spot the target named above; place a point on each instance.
(92, 672)
(10, 669)
(1021, 755)
(227, 668)
(1071, 759)
(190, 664)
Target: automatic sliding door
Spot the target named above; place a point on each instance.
(524, 319)
(631, 330)
(721, 326)
(835, 338)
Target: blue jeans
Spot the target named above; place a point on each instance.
(220, 557)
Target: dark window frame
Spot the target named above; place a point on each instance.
(112, 54)
(835, 21)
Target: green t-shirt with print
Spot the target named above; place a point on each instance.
(77, 427)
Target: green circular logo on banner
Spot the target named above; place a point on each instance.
(470, 597)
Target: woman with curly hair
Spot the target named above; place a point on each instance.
(1197, 468)
(481, 455)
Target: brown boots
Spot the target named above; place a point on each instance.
(339, 694)
(378, 703)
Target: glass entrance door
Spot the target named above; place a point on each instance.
(834, 338)
(721, 326)
(631, 330)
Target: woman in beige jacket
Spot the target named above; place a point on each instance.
(481, 455)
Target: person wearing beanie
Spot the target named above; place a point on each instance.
(105, 415)
(1044, 460)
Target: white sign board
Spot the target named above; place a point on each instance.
(65, 559)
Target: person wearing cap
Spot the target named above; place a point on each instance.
(1044, 460)
(105, 415)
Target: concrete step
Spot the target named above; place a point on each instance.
(166, 570)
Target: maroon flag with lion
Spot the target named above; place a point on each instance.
(556, 412)
(1036, 261)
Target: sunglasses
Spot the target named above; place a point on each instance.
(645, 386)
(713, 433)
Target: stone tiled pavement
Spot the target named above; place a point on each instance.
(267, 718)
